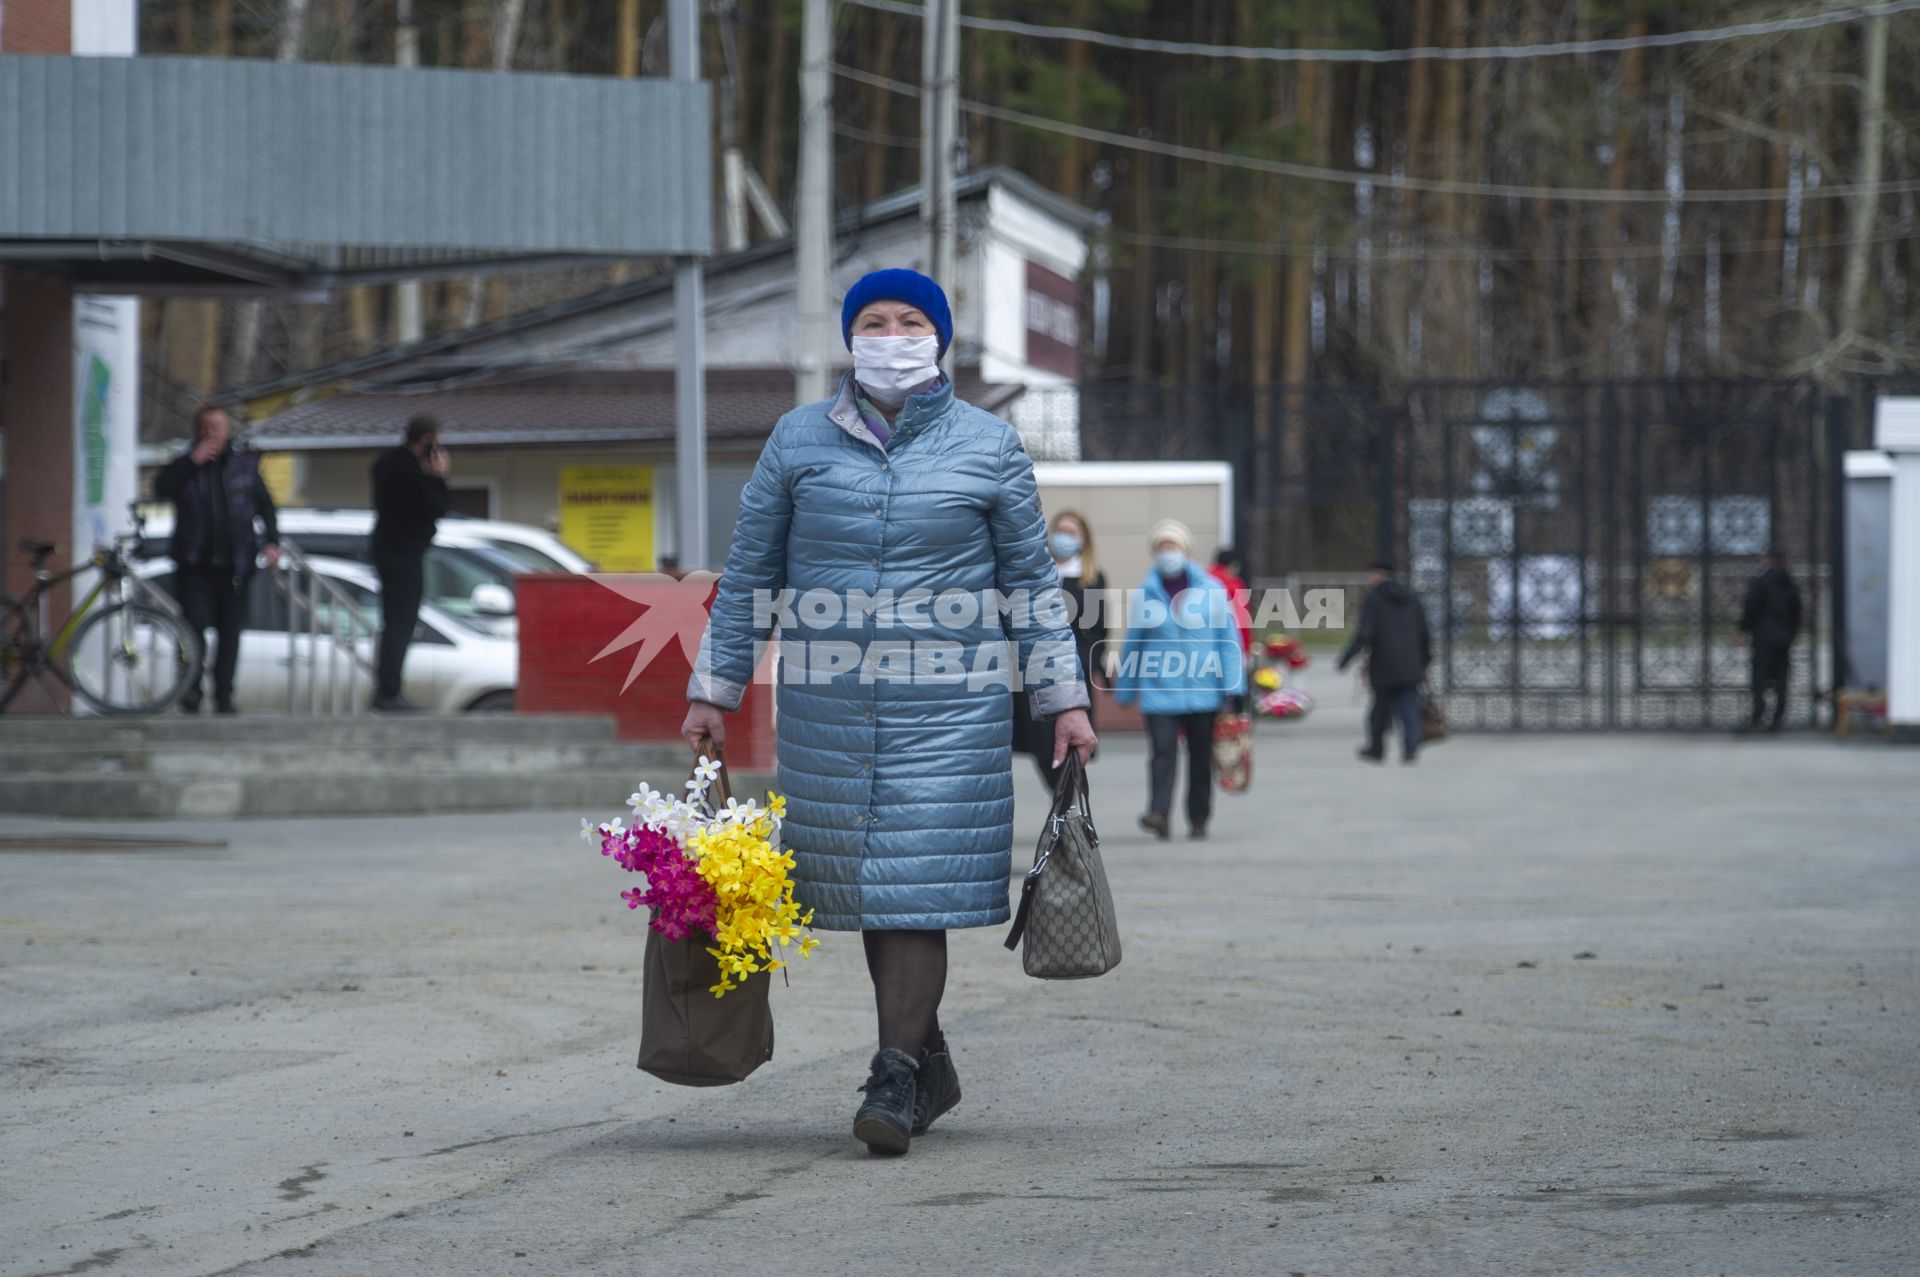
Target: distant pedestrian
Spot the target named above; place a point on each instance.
(1181, 660)
(409, 496)
(1070, 545)
(217, 496)
(1393, 633)
(1231, 573)
(1228, 570)
(1770, 621)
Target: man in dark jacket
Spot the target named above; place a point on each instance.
(409, 496)
(1769, 620)
(217, 494)
(1393, 633)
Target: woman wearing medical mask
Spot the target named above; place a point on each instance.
(898, 775)
(1070, 543)
(1181, 660)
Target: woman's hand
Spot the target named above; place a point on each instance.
(1073, 730)
(704, 723)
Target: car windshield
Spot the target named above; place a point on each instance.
(525, 557)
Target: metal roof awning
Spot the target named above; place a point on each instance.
(557, 406)
(185, 174)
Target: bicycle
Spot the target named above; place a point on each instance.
(128, 655)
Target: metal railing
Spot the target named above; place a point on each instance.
(322, 613)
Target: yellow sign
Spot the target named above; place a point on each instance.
(606, 514)
(278, 471)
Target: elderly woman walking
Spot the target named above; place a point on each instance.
(897, 770)
(1182, 661)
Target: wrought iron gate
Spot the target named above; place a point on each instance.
(1583, 548)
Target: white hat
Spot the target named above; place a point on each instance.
(1171, 530)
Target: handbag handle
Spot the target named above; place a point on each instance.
(720, 792)
(1072, 791)
(1072, 786)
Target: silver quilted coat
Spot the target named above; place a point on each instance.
(897, 773)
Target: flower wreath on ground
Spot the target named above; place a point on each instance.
(712, 871)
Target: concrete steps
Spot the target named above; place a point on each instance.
(217, 768)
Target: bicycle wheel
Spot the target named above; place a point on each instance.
(130, 658)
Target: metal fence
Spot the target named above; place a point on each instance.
(1582, 546)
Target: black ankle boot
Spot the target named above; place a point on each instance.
(884, 1122)
(936, 1085)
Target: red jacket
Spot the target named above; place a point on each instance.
(1237, 591)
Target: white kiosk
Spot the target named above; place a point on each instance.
(1896, 431)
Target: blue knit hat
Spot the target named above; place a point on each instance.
(908, 286)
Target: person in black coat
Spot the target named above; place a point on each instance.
(409, 496)
(1393, 633)
(1770, 620)
(217, 494)
(1070, 543)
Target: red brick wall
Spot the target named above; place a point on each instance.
(36, 26)
(36, 411)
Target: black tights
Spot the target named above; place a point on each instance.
(909, 970)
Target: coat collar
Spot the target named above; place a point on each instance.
(920, 412)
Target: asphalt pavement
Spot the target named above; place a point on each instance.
(1626, 1004)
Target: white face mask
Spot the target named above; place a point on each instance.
(1170, 562)
(891, 368)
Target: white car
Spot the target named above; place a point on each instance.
(452, 665)
(538, 548)
(469, 568)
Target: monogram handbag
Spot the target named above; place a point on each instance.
(1066, 908)
(688, 1036)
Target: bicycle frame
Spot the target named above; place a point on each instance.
(112, 572)
(79, 613)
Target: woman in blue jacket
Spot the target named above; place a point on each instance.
(1181, 661)
(896, 519)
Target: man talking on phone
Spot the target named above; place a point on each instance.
(409, 496)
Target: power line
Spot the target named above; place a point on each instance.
(1389, 181)
(1404, 253)
(904, 141)
(1474, 53)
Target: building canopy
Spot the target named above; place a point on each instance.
(154, 174)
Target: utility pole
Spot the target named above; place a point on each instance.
(246, 336)
(733, 162)
(813, 214)
(690, 321)
(408, 319)
(940, 136)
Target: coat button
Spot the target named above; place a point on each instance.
(874, 561)
(876, 512)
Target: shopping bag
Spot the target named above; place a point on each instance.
(687, 1035)
(1433, 718)
(1233, 752)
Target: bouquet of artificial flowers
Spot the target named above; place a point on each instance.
(712, 871)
